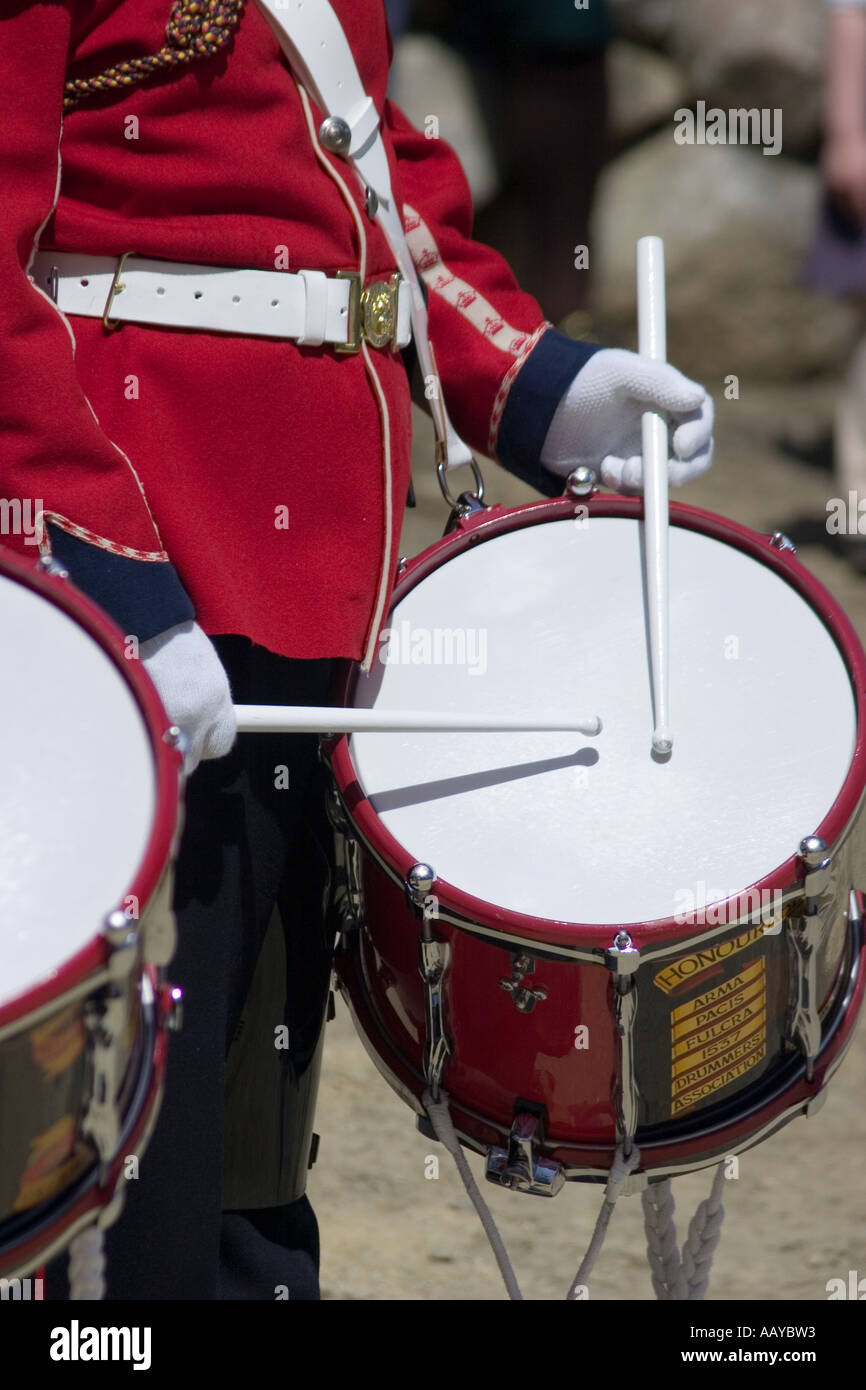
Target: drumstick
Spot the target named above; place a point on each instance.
(318, 719)
(652, 342)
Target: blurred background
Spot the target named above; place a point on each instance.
(564, 119)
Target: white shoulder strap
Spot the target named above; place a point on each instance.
(315, 44)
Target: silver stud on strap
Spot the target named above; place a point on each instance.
(335, 134)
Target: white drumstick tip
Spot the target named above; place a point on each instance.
(662, 741)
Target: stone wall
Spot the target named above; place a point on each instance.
(737, 223)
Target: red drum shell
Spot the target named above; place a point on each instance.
(500, 1056)
(167, 759)
(49, 1184)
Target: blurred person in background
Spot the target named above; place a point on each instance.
(398, 16)
(540, 70)
(838, 261)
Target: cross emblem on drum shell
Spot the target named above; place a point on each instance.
(523, 999)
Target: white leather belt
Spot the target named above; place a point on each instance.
(309, 307)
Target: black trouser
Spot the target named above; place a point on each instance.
(238, 859)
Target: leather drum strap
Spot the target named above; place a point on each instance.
(315, 44)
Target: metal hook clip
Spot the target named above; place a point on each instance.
(116, 288)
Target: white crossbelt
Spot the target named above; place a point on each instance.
(310, 307)
(317, 49)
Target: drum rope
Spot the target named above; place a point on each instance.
(87, 1265)
(674, 1277)
(686, 1278)
(703, 1238)
(620, 1169)
(661, 1236)
(440, 1119)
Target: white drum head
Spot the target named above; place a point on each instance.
(78, 788)
(550, 617)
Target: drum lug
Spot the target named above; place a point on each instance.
(805, 932)
(817, 865)
(348, 893)
(171, 1007)
(106, 1018)
(433, 958)
(336, 813)
(419, 893)
(121, 933)
(622, 959)
(522, 1167)
(177, 738)
(154, 935)
(779, 541)
(582, 482)
(353, 903)
(433, 963)
(523, 999)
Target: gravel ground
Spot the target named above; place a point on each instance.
(796, 1216)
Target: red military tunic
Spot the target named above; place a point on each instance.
(162, 455)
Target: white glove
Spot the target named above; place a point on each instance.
(598, 421)
(191, 682)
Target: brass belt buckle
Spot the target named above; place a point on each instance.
(117, 287)
(372, 312)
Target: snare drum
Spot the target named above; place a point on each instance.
(88, 825)
(583, 947)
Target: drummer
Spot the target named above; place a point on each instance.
(233, 499)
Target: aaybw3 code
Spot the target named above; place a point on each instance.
(720, 1333)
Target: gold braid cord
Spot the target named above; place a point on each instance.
(196, 29)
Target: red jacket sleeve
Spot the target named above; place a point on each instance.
(55, 461)
(504, 368)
